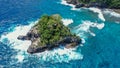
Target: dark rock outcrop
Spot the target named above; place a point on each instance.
(32, 35)
(91, 4)
(68, 42)
(50, 33)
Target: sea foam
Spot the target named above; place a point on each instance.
(19, 45)
(96, 10)
(60, 55)
(67, 22)
(63, 2)
(111, 13)
(84, 28)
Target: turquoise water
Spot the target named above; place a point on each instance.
(100, 31)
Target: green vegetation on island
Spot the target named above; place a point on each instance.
(51, 29)
(49, 33)
(108, 3)
(112, 4)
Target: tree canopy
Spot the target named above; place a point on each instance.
(51, 29)
(109, 3)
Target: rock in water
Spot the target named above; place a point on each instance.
(50, 33)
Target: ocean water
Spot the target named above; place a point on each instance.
(99, 30)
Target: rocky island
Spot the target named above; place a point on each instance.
(50, 33)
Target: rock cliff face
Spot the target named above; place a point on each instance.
(41, 43)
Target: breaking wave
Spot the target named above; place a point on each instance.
(65, 3)
(67, 22)
(84, 28)
(71, 5)
(96, 10)
(60, 55)
(11, 39)
(111, 13)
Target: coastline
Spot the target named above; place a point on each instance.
(80, 5)
(116, 10)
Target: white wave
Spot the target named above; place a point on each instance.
(83, 41)
(18, 44)
(67, 22)
(111, 13)
(60, 55)
(20, 57)
(85, 28)
(65, 3)
(96, 10)
(117, 22)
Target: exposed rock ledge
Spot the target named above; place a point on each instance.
(35, 47)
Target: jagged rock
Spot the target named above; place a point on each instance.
(32, 49)
(38, 39)
(68, 42)
(31, 35)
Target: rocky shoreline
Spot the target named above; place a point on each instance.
(94, 4)
(116, 10)
(35, 47)
(68, 42)
(79, 5)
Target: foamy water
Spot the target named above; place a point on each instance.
(19, 45)
(85, 28)
(117, 22)
(71, 5)
(60, 55)
(65, 3)
(67, 22)
(96, 10)
(111, 13)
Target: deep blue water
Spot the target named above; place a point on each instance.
(100, 50)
